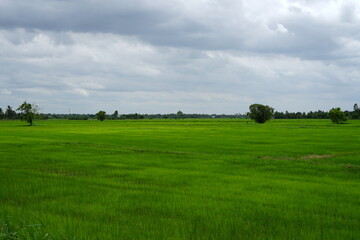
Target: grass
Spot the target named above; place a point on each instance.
(181, 179)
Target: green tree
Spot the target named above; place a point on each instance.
(356, 113)
(101, 115)
(179, 114)
(10, 113)
(337, 116)
(260, 113)
(115, 114)
(2, 114)
(356, 107)
(28, 112)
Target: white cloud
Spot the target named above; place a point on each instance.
(200, 56)
(281, 29)
(81, 92)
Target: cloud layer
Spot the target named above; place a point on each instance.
(161, 56)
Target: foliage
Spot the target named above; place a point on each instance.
(28, 112)
(337, 116)
(180, 114)
(260, 113)
(2, 114)
(301, 115)
(356, 113)
(132, 116)
(101, 115)
(78, 117)
(10, 113)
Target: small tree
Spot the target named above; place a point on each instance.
(101, 115)
(260, 113)
(179, 114)
(337, 116)
(28, 112)
(10, 113)
(356, 113)
(2, 114)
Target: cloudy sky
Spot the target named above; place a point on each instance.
(161, 56)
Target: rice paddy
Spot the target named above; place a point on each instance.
(180, 179)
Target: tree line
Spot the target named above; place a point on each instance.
(262, 113)
(355, 114)
(258, 112)
(11, 114)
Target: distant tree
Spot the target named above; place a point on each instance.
(337, 116)
(101, 115)
(10, 113)
(28, 112)
(356, 113)
(179, 114)
(116, 114)
(2, 114)
(132, 116)
(260, 113)
(279, 115)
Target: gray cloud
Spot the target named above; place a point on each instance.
(159, 56)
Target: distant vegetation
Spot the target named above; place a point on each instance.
(28, 112)
(260, 113)
(11, 114)
(101, 115)
(337, 116)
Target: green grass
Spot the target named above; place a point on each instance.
(180, 179)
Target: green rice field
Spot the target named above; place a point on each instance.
(180, 179)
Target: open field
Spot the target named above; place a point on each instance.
(181, 179)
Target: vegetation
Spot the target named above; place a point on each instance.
(260, 113)
(356, 113)
(10, 113)
(28, 112)
(101, 115)
(299, 115)
(18, 229)
(2, 114)
(115, 114)
(337, 116)
(188, 179)
(132, 116)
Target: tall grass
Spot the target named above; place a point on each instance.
(15, 228)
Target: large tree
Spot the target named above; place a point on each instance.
(260, 113)
(337, 116)
(101, 115)
(28, 112)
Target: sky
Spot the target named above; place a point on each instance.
(162, 56)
